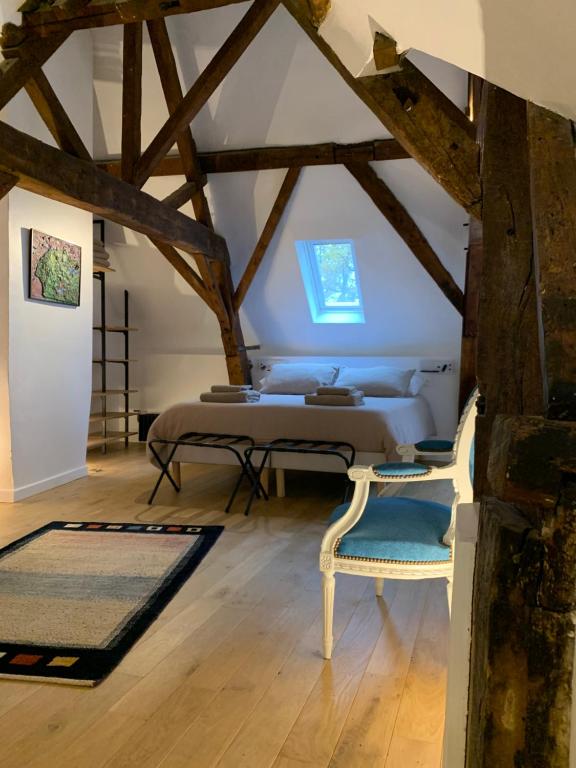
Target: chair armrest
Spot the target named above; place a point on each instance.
(359, 473)
(348, 519)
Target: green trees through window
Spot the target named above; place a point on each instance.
(331, 280)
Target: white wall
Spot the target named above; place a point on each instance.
(49, 346)
(525, 47)
(282, 91)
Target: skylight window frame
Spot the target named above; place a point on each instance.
(311, 277)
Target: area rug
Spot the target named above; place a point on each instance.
(75, 597)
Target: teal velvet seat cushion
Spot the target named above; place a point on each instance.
(399, 529)
(400, 469)
(434, 446)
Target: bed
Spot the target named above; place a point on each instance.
(374, 428)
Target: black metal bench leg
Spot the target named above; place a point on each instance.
(165, 472)
(257, 485)
(243, 472)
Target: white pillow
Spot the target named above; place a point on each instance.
(379, 381)
(297, 378)
(417, 383)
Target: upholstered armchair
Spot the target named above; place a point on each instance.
(396, 537)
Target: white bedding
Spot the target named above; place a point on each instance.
(375, 427)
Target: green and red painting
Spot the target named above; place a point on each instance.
(54, 269)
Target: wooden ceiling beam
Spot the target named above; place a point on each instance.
(265, 238)
(55, 19)
(215, 72)
(131, 99)
(270, 158)
(55, 116)
(423, 119)
(52, 173)
(397, 215)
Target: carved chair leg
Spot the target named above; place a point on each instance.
(379, 585)
(328, 584)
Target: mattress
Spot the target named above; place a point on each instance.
(375, 427)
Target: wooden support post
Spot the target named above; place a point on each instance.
(554, 202)
(131, 99)
(523, 638)
(387, 203)
(470, 317)
(267, 234)
(508, 362)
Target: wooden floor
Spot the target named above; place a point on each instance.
(231, 675)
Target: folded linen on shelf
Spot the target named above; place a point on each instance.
(357, 398)
(245, 396)
(230, 387)
(336, 390)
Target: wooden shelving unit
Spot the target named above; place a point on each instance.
(102, 394)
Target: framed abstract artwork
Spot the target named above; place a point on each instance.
(55, 267)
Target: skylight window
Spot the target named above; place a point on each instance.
(331, 280)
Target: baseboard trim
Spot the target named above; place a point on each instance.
(8, 495)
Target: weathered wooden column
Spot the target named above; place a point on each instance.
(525, 582)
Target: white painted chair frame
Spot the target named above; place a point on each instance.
(458, 471)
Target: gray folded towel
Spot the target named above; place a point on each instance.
(245, 396)
(356, 399)
(336, 390)
(230, 387)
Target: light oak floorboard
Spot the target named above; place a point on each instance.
(231, 674)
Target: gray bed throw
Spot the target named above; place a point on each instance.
(230, 387)
(244, 396)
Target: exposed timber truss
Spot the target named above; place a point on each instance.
(426, 126)
(519, 301)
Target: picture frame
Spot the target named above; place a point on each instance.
(55, 270)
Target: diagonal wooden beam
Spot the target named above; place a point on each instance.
(222, 62)
(389, 205)
(185, 270)
(184, 193)
(131, 99)
(265, 238)
(170, 80)
(427, 124)
(55, 116)
(26, 61)
(52, 173)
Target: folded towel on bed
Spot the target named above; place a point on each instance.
(336, 390)
(245, 396)
(230, 387)
(355, 399)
